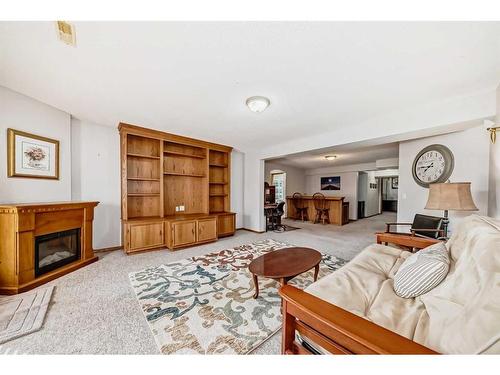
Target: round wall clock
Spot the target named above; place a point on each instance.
(432, 165)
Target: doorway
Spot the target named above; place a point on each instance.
(278, 181)
(389, 193)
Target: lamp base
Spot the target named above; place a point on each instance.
(446, 222)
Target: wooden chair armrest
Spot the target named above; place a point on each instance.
(337, 330)
(406, 240)
(389, 225)
(441, 231)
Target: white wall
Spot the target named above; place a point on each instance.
(372, 196)
(387, 172)
(368, 194)
(362, 186)
(96, 177)
(494, 199)
(237, 187)
(253, 179)
(348, 188)
(295, 177)
(22, 113)
(471, 151)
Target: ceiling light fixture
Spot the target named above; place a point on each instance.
(331, 157)
(258, 103)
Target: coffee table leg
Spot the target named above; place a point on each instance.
(256, 284)
(316, 271)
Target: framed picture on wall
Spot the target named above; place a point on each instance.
(32, 156)
(395, 182)
(330, 183)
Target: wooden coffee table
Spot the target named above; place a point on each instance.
(284, 264)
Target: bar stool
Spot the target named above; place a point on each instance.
(300, 209)
(322, 209)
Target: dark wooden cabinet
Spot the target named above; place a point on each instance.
(269, 193)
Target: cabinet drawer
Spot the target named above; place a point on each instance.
(183, 233)
(207, 229)
(143, 236)
(226, 224)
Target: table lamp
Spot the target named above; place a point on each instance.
(455, 196)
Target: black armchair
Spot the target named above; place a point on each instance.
(422, 226)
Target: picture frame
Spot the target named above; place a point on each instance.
(32, 156)
(330, 183)
(395, 182)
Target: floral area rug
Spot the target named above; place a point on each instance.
(204, 304)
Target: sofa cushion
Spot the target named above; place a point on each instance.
(365, 287)
(422, 271)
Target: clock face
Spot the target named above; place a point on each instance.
(430, 166)
(433, 164)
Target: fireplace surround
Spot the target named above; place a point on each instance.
(40, 242)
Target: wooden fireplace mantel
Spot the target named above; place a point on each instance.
(19, 226)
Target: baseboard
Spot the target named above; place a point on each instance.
(104, 249)
(253, 231)
(366, 217)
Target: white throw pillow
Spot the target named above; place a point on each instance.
(422, 271)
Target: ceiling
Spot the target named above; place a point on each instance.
(346, 155)
(193, 78)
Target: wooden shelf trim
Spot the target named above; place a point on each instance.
(218, 165)
(143, 156)
(143, 194)
(183, 174)
(184, 154)
(218, 195)
(217, 183)
(159, 135)
(142, 179)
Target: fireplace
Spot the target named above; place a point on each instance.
(55, 250)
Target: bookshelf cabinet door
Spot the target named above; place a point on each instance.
(207, 230)
(145, 236)
(183, 233)
(226, 224)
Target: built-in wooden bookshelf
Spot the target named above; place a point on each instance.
(219, 181)
(175, 190)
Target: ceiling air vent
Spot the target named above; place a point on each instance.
(66, 32)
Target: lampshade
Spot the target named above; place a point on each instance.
(455, 196)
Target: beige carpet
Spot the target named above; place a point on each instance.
(94, 310)
(23, 313)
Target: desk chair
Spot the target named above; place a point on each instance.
(277, 213)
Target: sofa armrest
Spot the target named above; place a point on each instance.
(336, 330)
(406, 240)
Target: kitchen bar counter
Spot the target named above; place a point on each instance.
(339, 210)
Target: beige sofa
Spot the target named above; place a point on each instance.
(461, 315)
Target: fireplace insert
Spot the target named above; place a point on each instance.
(55, 250)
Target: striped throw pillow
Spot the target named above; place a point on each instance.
(422, 271)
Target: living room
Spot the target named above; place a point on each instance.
(263, 188)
